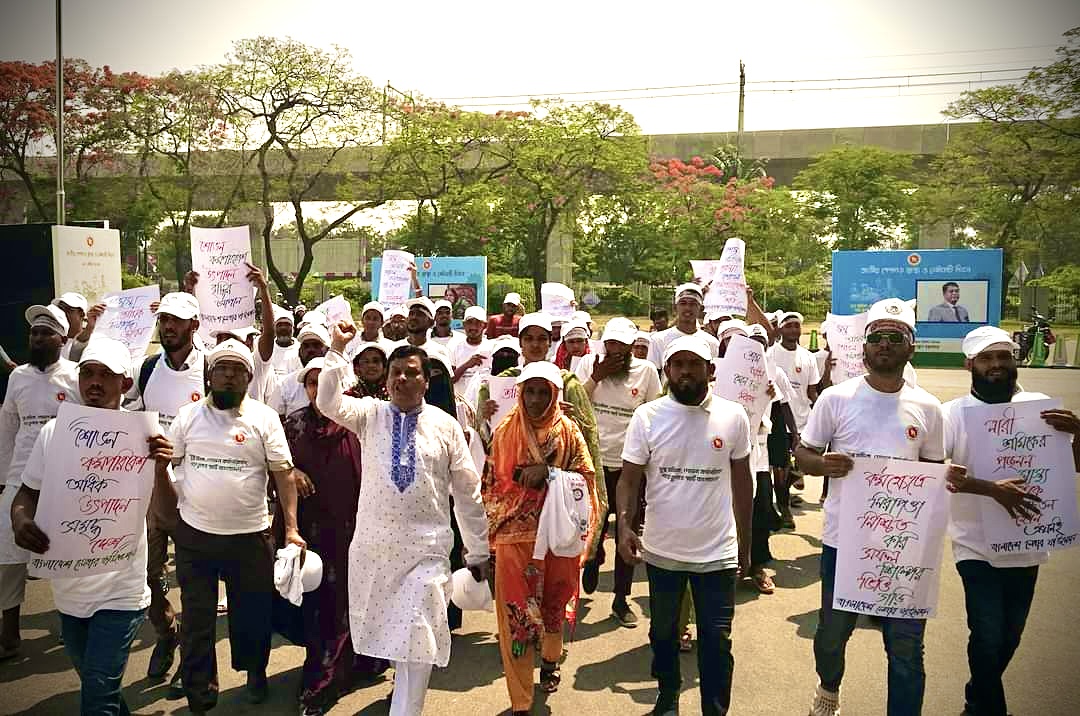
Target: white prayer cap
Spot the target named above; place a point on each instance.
(50, 317)
(240, 334)
(443, 303)
(468, 594)
(316, 331)
(642, 337)
(182, 305)
(72, 300)
(514, 298)
(230, 350)
(893, 310)
(476, 312)
(109, 352)
(423, 303)
(542, 369)
(534, 319)
(732, 326)
(312, 572)
(505, 341)
(987, 337)
(282, 314)
(788, 317)
(689, 289)
(374, 306)
(691, 344)
(316, 317)
(301, 375)
(621, 330)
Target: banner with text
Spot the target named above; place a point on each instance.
(128, 319)
(226, 296)
(742, 375)
(86, 261)
(893, 518)
(846, 337)
(461, 280)
(394, 278)
(98, 480)
(1011, 441)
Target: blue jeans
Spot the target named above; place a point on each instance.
(714, 605)
(98, 646)
(998, 601)
(903, 647)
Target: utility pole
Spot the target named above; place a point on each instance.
(60, 199)
(742, 102)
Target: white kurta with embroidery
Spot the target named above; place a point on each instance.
(399, 566)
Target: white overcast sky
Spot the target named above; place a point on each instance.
(470, 48)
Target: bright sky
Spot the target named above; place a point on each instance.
(478, 48)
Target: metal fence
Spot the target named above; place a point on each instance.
(1059, 306)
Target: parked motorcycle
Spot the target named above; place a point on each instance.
(1025, 338)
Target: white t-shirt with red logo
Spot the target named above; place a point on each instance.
(854, 419)
(33, 399)
(801, 370)
(614, 401)
(224, 458)
(687, 452)
(168, 390)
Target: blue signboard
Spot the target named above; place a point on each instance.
(461, 280)
(955, 290)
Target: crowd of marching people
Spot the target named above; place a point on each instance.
(379, 449)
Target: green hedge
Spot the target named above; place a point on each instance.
(500, 284)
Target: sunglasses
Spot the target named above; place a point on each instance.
(894, 337)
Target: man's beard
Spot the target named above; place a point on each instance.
(689, 393)
(994, 391)
(226, 399)
(624, 368)
(175, 343)
(42, 358)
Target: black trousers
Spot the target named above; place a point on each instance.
(624, 571)
(245, 562)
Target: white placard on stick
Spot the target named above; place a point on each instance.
(727, 293)
(395, 279)
(555, 301)
(504, 392)
(846, 339)
(893, 517)
(97, 485)
(128, 319)
(86, 261)
(226, 296)
(742, 376)
(335, 309)
(1011, 441)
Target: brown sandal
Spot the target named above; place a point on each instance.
(763, 583)
(550, 677)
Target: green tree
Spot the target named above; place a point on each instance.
(864, 193)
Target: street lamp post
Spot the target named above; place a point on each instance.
(60, 199)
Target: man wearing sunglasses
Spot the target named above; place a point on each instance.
(879, 415)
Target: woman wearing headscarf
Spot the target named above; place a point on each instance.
(369, 364)
(330, 456)
(532, 595)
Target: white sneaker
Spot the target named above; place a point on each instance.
(826, 703)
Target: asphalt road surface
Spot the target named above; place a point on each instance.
(607, 667)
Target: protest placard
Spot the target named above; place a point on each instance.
(704, 270)
(395, 279)
(727, 292)
(226, 296)
(504, 392)
(555, 301)
(86, 260)
(97, 485)
(335, 309)
(1010, 441)
(893, 517)
(128, 319)
(742, 376)
(846, 337)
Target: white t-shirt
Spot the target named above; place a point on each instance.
(659, 342)
(965, 511)
(801, 370)
(854, 419)
(168, 390)
(33, 399)
(687, 453)
(124, 590)
(225, 457)
(449, 342)
(463, 351)
(288, 395)
(614, 401)
(285, 360)
(263, 378)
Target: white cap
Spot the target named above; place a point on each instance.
(621, 330)
(513, 298)
(437, 353)
(693, 344)
(374, 306)
(642, 337)
(233, 350)
(774, 316)
(788, 316)
(443, 303)
(301, 375)
(316, 317)
(582, 316)
(240, 334)
(110, 352)
(316, 331)
(282, 314)
(734, 324)
(689, 288)
(182, 305)
(574, 326)
(371, 344)
(757, 330)
(72, 300)
(422, 302)
(715, 315)
(476, 312)
(542, 369)
(891, 309)
(986, 337)
(534, 319)
(50, 317)
(312, 572)
(398, 312)
(468, 594)
(505, 341)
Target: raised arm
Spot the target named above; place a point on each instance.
(266, 336)
(344, 410)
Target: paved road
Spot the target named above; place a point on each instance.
(607, 669)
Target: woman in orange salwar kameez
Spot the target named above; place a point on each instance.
(531, 595)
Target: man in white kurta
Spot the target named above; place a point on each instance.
(415, 459)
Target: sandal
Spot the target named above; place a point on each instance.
(550, 677)
(686, 642)
(763, 583)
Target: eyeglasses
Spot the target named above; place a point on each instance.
(894, 337)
